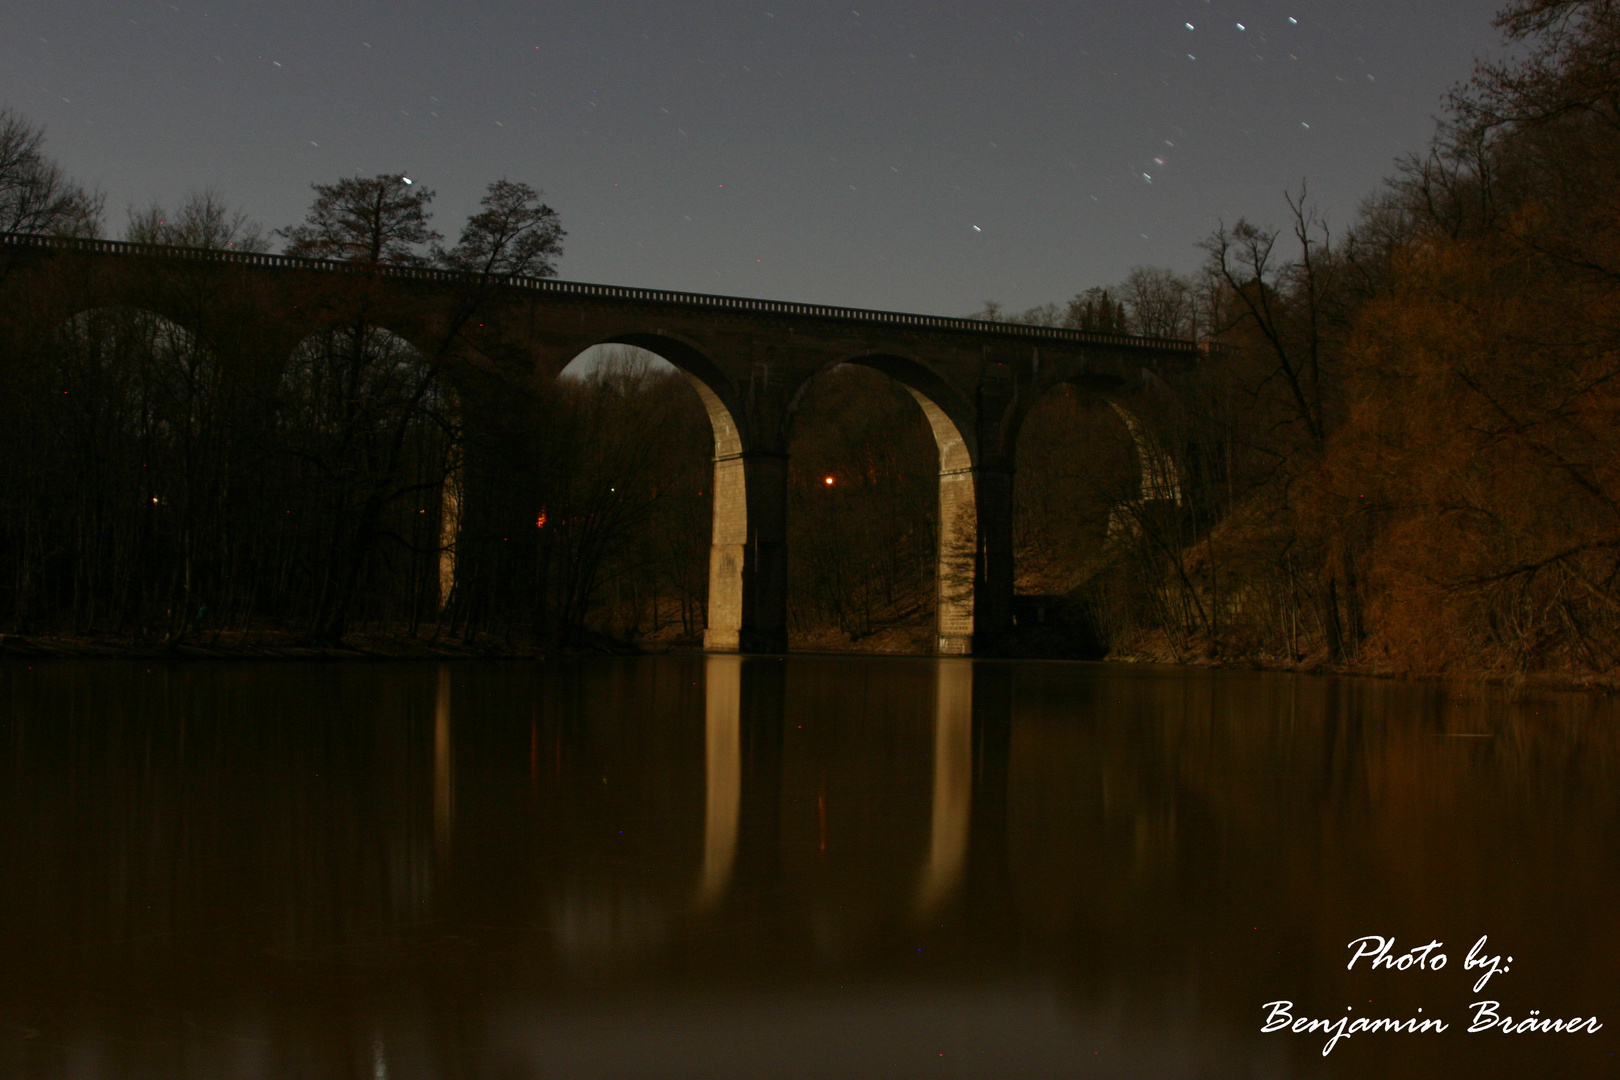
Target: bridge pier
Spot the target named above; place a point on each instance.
(748, 554)
(993, 564)
(955, 570)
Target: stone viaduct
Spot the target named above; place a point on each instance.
(749, 359)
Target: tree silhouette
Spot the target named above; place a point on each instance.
(35, 195)
(376, 220)
(515, 235)
(204, 220)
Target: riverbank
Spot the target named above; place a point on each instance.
(272, 646)
(1157, 649)
(896, 641)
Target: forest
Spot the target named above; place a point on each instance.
(1402, 457)
(1405, 461)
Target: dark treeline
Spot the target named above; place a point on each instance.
(1401, 459)
(1406, 460)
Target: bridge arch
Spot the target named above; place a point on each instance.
(131, 405)
(367, 419)
(123, 326)
(745, 553)
(956, 567)
(170, 378)
(1158, 478)
(1090, 461)
(140, 304)
(949, 418)
(733, 568)
(339, 367)
(949, 414)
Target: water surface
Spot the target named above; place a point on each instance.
(812, 867)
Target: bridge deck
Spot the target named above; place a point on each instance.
(1021, 331)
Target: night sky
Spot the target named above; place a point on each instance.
(910, 156)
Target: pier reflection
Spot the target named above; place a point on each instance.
(953, 784)
(722, 771)
(993, 707)
(444, 770)
(743, 740)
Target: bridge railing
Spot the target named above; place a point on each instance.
(609, 292)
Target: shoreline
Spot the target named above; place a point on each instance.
(271, 647)
(1513, 682)
(361, 649)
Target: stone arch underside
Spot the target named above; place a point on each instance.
(178, 376)
(110, 319)
(335, 362)
(731, 605)
(1160, 482)
(956, 562)
(1158, 479)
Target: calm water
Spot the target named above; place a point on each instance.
(813, 867)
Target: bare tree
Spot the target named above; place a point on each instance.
(204, 220)
(515, 235)
(1569, 68)
(375, 220)
(1280, 302)
(1160, 303)
(35, 195)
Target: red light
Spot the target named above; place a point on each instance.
(828, 481)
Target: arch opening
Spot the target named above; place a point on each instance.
(1093, 480)
(115, 443)
(620, 502)
(957, 554)
(596, 358)
(367, 423)
(147, 369)
(741, 569)
(883, 525)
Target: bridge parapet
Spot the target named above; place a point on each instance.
(1014, 331)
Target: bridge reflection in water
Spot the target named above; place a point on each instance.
(743, 776)
(444, 771)
(722, 718)
(724, 865)
(953, 783)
